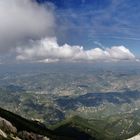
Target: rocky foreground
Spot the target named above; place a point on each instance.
(8, 131)
(15, 127)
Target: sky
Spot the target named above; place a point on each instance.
(110, 22)
(69, 30)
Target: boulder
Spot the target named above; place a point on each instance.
(7, 127)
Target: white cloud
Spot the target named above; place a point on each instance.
(23, 19)
(48, 49)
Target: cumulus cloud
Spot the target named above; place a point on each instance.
(48, 50)
(24, 19)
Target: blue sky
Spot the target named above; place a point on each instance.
(69, 30)
(109, 22)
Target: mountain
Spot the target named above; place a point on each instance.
(14, 127)
(119, 127)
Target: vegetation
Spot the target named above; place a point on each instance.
(77, 128)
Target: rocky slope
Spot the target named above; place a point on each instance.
(10, 132)
(14, 127)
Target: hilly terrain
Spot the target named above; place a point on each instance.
(15, 127)
(70, 102)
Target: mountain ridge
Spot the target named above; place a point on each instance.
(15, 127)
